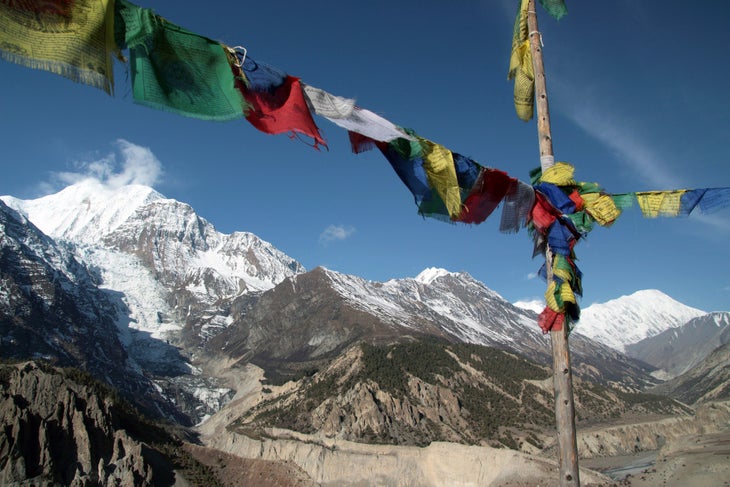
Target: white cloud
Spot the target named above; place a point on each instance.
(620, 138)
(335, 232)
(132, 164)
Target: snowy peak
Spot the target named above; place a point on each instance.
(630, 319)
(535, 305)
(427, 276)
(84, 211)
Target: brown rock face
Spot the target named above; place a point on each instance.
(55, 431)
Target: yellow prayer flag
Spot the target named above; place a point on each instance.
(566, 294)
(559, 174)
(550, 299)
(520, 66)
(601, 207)
(656, 203)
(438, 163)
(76, 43)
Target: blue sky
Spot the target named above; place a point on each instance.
(638, 100)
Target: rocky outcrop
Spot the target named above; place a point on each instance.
(55, 431)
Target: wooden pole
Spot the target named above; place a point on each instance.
(562, 374)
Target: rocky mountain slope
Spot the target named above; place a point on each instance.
(678, 350)
(426, 390)
(709, 380)
(63, 428)
(314, 316)
(52, 309)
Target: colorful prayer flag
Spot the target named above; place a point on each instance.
(176, 70)
(486, 194)
(518, 202)
(283, 110)
(439, 166)
(327, 105)
(681, 202)
(556, 8)
(520, 66)
(371, 125)
(71, 39)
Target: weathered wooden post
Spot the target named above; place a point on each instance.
(562, 373)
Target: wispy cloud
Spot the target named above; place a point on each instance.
(334, 233)
(603, 125)
(130, 164)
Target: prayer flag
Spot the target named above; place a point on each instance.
(371, 125)
(556, 8)
(714, 199)
(439, 165)
(411, 172)
(601, 207)
(71, 39)
(550, 320)
(176, 70)
(261, 76)
(327, 105)
(520, 66)
(559, 174)
(681, 202)
(283, 110)
(518, 201)
(486, 194)
(655, 203)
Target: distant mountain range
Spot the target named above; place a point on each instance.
(147, 296)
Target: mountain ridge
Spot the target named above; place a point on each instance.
(183, 284)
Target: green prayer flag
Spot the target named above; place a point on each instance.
(176, 70)
(556, 8)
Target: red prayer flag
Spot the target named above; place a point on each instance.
(576, 198)
(283, 110)
(550, 320)
(543, 213)
(486, 194)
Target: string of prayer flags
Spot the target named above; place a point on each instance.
(520, 66)
(176, 70)
(682, 202)
(451, 187)
(74, 39)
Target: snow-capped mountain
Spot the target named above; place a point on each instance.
(172, 274)
(146, 246)
(630, 319)
(185, 293)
